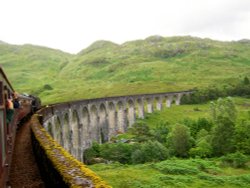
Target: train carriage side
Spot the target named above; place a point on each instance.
(9, 118)
(6, 129)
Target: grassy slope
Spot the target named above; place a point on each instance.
(178, 172)
(30, 67)
(156, 64)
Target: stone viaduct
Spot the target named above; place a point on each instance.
(75, 125)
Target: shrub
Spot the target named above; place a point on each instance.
(91, 153)
(150, 151)
(160, 132)
(176, 167)
(141, 132)
(47, 87)
(196, 126)
(235, 160)
(137, 157)
(120, 152)
(203, 149)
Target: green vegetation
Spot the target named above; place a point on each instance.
(174, 173)
(156, 64)
(210, 140)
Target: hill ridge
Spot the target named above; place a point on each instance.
(154, 64)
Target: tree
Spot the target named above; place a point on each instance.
(117, 152)
(196, 126)
(203, 149)
(160, 132)
(203, 145)
(242, 137)
(223, 108)
(201, 135)
(180, 140)
(224, 115)
(141, 132)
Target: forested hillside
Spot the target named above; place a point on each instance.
(156, 64)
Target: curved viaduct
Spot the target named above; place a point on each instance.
(75, 125)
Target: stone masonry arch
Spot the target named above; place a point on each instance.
(141, 110)
(94, 124)
(121, 117)
(66, 132)
(131, 112)
(58, 131)
(103, 123)
(76, 129)
(112, 119)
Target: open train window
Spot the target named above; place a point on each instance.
(1, 93)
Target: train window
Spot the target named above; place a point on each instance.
(1, 93)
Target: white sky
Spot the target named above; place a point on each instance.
(72, 25)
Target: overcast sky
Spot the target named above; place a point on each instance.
(71, 25)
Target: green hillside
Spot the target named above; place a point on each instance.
(30, 68)
(156, 64)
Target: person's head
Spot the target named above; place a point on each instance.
(15, 95)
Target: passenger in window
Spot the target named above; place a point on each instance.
(15, 100)
(9, 110)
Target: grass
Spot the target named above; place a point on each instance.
(173, 173)
(176, 113)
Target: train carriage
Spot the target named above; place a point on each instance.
(10, 117)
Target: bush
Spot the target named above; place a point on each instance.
(203, 149)
(47, 87)
(141, 132)
(160, 132)
(120, 152)
(128, 153)
(176, 167)
(235, 160)
(150, 151)
(196, 126)
(91, 153)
